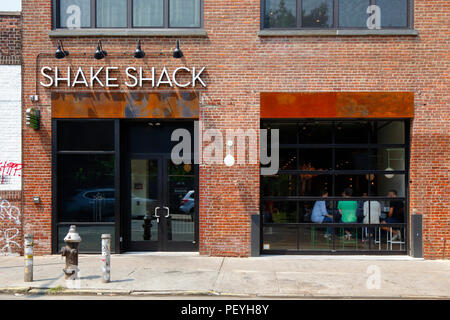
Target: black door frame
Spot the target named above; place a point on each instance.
(122, 228)
(120, 156)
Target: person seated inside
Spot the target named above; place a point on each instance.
(395, 215)
(372, 213)
(320, 213)
(347, 209)
(360, 209)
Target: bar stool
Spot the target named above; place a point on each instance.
(377, 231)
(390, 242)
(355, 241)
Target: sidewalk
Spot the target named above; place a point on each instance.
(266, 276)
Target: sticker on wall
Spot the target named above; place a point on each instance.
(266, 246)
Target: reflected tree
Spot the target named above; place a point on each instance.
(318, 17)
(282, 17)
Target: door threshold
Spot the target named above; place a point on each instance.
(162, 253)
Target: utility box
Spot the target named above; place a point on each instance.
(255, 235)
(416, 236)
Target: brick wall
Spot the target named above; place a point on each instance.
(241, 65)
(10, 32)
(11, 134)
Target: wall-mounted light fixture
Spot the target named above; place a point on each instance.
(139, 53)
(36, 200)
(100, 53)
(60, 52)
(177, 53)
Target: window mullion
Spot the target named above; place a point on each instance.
(93, 14)
(335, 14)
(166, 14)
(299, 14)
(130, 13)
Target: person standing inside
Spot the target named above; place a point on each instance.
(347, 209)
(372, 213)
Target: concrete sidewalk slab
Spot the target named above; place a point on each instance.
(276, 276)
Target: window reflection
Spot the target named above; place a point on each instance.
(86, 187)
(393, 13)
(184, 13)
(317, 14)
(111, 13)
(280, 14)
(352, 13)
(148, 13)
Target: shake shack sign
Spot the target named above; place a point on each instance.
(108, 77)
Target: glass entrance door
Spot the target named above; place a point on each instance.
(162, 205)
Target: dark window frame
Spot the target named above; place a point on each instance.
(333, 196)
(130, 25)
(55, 181)
(335, 16)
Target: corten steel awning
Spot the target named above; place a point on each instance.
(278, 105)
(132, 105)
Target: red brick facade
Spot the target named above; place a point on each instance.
(10, 45)
(240, 66)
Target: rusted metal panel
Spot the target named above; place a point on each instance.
(337, 105)
(125, 105)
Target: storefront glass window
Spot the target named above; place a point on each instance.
(315, 132)
(343, 166)
(90, 237)
(86, 136)
(86, 188)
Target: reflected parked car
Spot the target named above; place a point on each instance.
(94, 205)
(188, 204)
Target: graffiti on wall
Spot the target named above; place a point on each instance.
(8, 170)
(9, 228)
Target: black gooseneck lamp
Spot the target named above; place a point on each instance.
(100, 53)
(177, 53)
(139, 53)
(60, 52)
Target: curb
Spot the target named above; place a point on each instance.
(142, 293)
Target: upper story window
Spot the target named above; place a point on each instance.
(75, 14)
(337, 14)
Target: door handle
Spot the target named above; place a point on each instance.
(168, 212)
(156, 215)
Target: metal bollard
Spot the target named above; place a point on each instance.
(28, 255)
(106, 258)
